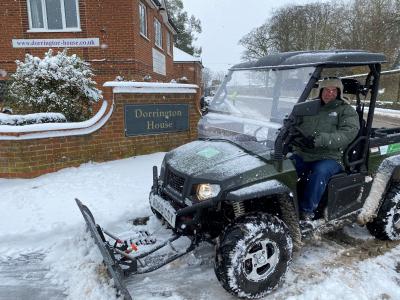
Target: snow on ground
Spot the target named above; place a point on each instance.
(391, 113)
(40, 217)
(45, 252)
(44, 205)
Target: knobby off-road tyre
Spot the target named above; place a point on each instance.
(386, 226)
(252, 255)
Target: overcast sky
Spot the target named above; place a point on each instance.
(225, 22)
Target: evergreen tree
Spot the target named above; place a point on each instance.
(187, 27)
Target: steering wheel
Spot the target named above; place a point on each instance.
(294, 135)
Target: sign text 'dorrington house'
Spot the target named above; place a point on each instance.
(147, 119)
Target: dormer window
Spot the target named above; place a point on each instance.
(53, 15)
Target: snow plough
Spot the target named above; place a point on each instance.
(236, 186)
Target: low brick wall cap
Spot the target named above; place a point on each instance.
(132, 87)
(136, 84)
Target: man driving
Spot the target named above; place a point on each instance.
(318, 154)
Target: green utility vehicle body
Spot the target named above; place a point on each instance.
(247, 170)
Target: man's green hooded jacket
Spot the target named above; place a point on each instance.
(334, 128)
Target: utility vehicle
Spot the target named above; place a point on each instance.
(236, 186)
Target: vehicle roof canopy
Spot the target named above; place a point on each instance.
(329, 58)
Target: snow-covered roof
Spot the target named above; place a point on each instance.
(182, 56)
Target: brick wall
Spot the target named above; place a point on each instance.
(191, 70)
(30, 158)
(124, 51)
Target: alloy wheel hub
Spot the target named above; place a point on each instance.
(261, 260)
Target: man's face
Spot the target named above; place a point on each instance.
(329, 93)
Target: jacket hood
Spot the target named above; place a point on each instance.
(335, 82)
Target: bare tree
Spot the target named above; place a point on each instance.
(207, 77)
(257, 43)
(359, 24)
(218, 76)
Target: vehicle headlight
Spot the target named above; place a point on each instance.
(207, 191)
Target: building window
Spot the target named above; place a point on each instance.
(168, 43)
(143, 19)
(157, 33)
(53, 15)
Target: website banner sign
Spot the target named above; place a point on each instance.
(56, 43)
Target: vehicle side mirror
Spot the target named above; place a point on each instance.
(203, 106)
(202, 102)
(308, 108)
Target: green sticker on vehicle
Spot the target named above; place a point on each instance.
(208, 152)
(387, 149)
(394, 148)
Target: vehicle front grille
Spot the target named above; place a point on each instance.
(175, 203)
(175, 181)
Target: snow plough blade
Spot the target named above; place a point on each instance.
(117, 256)
(106, 250)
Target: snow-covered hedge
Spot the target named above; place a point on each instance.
(6, 119)
(56, 83)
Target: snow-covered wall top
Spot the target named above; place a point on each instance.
(133, 87)
(38, 118)
(57, 129)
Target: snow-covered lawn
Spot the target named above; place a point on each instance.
(45, 252)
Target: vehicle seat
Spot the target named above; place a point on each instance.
(353, 156)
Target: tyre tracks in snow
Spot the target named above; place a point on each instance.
(321, 257)
(25, 277)
(311, 266)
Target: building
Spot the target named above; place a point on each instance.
(187, 67)
(128, 39)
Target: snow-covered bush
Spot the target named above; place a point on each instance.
(18, 120)
(56, 83)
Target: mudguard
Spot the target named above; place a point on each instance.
(261, 189)
(383, 175)
(287, 205)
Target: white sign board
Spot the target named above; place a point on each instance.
(56, 43)
(159, 62)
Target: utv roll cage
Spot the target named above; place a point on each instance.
(355, 156)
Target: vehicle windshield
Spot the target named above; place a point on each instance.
(250, 105)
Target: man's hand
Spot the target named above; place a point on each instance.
(305, 142)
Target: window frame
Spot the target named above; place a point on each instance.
(145, 34)
(63, 20)
(169, 43)
(156, 21)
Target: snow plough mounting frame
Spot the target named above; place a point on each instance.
(116, 256)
